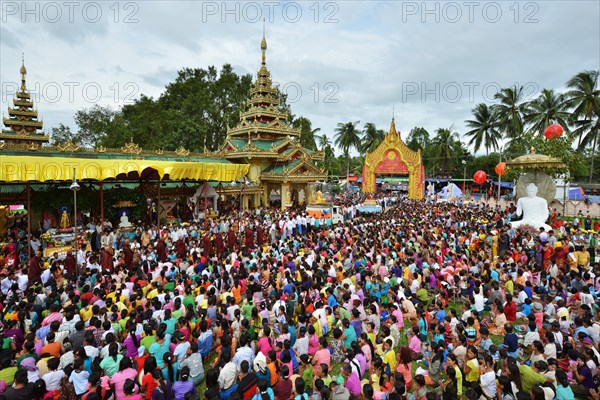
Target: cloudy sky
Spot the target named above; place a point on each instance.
(429, 63)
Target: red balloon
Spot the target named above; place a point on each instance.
(479, 177)
(553, 131)
(500, 169)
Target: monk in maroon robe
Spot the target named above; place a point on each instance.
(180, 249)
(260, 236)
(249, 240)
(107, 261)
(161, 253)
(220, 244)
(207, 245)
(127, 255)
(70, 263)
(35, 269)
(231, 239)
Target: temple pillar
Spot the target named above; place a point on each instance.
(309, 192)
(256, 200)
(265, 195)
(285, 195)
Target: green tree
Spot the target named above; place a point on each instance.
(96, 123)
(510, 110)
(63, 134)
(484, 132)
(323, 141)
(584, 97)
(445, 145)
(547, 109)
(372, 137)
(347, 136)
(308, 134)
(418, 139)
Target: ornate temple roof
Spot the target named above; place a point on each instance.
(23, 123)
(264, 118)
(264, 133)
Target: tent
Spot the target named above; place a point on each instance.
(450, 190)
(576, 193)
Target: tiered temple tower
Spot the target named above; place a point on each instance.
(265, 140)
(23, 123)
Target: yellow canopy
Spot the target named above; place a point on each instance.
(41, 169)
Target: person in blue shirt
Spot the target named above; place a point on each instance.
(511, 342)
(331, 300)
(525, 309)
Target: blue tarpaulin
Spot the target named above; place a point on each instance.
(506, 185)
(576, 193)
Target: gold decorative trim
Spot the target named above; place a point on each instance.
(101, 149)
(160, 151)
(182, 152)
(68, 147)
(131, 148)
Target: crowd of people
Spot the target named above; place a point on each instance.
(422, 301)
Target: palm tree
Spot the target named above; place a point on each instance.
(510, 110)
(347, 136)
(323, 141)
(445, 145)
(547, 109)
(372, 137)
(584, 97)
(485, 129)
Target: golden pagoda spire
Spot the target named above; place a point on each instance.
(23, 73)
(263, 45)
(23, 122)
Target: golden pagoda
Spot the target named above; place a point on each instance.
(264, 139)
(23, 124)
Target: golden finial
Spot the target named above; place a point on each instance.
(532, 151)
(263, 45)
(23, 72)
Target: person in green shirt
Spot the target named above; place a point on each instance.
(529, 377)
(148, 339)
(342, 313)
(422, 295)
(306, 368)
(7, 373)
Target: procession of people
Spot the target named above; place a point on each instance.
(424, 300)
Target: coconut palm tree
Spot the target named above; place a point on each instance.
(445, 145)
(485, 129)
(509, 111)
(584, 97)
(323, 141)
(547, 109)
(347, 136)
(372, 137)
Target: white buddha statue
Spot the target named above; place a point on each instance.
(124, 221)
(533, 208)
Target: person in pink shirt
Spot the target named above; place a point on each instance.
(399, 316)
(265, 343)
(415, 343)
(126, 371)
(313, 341)
(322, 356)
(55, 315)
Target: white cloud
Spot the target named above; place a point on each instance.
(376, 57)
